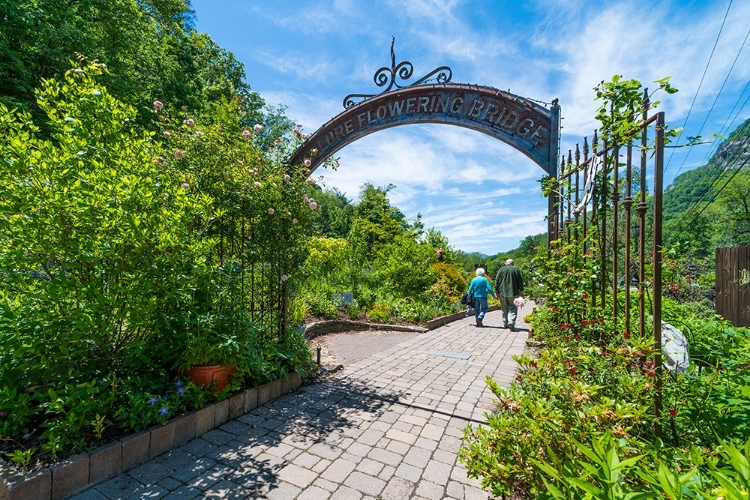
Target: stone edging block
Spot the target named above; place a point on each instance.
(444, 320)
(72, 475)
(105, 462)
(339, 325)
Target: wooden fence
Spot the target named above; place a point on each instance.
(733, 284)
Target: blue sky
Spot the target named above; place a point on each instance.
(480, 192)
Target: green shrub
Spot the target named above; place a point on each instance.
(353, 310)
(450, 284)
(380, 313)
(108, 235)
(321, 305)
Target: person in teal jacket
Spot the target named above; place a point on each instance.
(481, 288)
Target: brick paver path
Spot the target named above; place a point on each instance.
(388, 427)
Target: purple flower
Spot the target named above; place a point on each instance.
(178, 383)
(153, 401)
(180, 391)
(2, 414)
(163, 410)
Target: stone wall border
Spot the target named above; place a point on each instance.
(341, 325)
(61, 480)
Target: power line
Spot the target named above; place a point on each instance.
(720, 190)
(707, 191)
(688, 212)
(713, 183)
(700, 84)
(700, 131)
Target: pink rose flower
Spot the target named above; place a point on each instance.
(305, 198)
(246, 133)
(294, 221)
(158, 104)
(271, 211)
(313, 205)
(309, 181)
(286, 177)
(258, 128)
(185, 185)
(256, 184)
(308, 163)
(284, 277)
(189, 121)
(178, 154)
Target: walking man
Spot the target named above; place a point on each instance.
(508, 286)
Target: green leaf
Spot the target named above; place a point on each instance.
(587, 487)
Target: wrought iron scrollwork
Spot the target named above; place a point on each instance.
(386, 77)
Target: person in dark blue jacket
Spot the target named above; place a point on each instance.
(481, 288)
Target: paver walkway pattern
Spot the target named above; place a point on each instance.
(389, 427)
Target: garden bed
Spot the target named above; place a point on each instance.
(78, 472)
(320, 327)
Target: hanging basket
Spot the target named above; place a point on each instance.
(206, 375)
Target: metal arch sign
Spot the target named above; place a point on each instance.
(523, 124)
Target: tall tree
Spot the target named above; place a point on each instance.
(149, 46)
(379, 221)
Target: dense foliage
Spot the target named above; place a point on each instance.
(149, 46)
(115, 274)
(390, 266)
(581, 419)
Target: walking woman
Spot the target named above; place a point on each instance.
(481, 288)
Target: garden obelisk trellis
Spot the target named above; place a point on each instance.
(594, 192)
(587, 195)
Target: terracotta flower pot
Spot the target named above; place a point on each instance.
(205, 375)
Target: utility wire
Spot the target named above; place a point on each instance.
(700, 84)
(700, 131)
(720, 190)
(719, 174)
(716, 177)
(687, 214)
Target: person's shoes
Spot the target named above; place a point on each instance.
(479, 323)
(505, 326)
(512, 328)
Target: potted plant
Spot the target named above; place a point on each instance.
(208, 352)
(214, 336)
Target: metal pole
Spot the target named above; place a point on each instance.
(658, 187)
